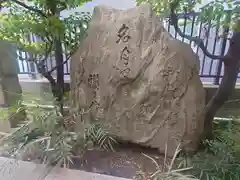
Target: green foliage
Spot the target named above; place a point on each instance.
(41, 19)
(213, 11)
(221, 158)
(99, 137)
(45, 138)
(162, 8)
(76, 26)
(54, 36)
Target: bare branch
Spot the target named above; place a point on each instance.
(64, 62)
(55, 68)
(42, 69)
(198, 41)
(30, 8)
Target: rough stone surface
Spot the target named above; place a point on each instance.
(10, 89)
(133, 77)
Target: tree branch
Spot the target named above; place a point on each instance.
(55, 68)
(198, 41)
(30, 8)
(64, 62)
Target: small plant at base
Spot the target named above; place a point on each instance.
(44, 138)
(100, 137)
(166, 172)
(220, 160)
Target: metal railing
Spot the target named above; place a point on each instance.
(211, 70)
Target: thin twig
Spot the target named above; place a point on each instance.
(64, 62)
(30, 8)
(42, 67)
(54, 68)
(233, 101)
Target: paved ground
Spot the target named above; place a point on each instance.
(19, 170)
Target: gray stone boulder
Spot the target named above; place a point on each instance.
(134, 78)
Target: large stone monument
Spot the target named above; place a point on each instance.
(133, 77)
(10, 89)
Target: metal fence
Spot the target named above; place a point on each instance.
(211, 70)
(26, 67)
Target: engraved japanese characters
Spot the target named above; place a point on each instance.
(144, 83)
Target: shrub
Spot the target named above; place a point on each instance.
(44, 137)
(220, 159)
(166, 171)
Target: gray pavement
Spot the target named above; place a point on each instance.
(18, 170)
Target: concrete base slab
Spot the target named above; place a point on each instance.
(5, 126)
(11, 169)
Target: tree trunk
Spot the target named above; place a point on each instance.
(60, 73)
(231, 69)
(58, 87)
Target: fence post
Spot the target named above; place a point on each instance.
(223, 48)
(220, 62)
(32, 69)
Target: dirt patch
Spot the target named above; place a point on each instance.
(126, 161)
